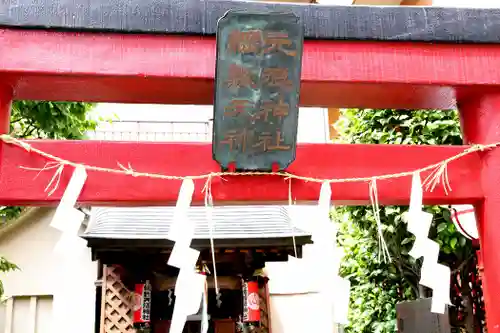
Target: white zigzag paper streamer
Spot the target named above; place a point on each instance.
(324, 237)
(67, 219)
(334, 289)
(189, 287)
(433, 275)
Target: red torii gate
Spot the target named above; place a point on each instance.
(107, 51)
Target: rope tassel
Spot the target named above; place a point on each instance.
(382, 245)
(209, 207)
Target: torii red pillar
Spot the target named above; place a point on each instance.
(480, 116)
(5, 104)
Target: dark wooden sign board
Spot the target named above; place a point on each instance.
(259, 57)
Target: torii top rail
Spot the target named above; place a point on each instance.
(146, 51)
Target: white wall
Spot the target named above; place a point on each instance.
(313, 122)
(42, 272)
(300, 313)
(293, 307)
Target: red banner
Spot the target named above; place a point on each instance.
(142, 303)
(251, 308)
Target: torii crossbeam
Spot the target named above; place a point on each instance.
(145, 51)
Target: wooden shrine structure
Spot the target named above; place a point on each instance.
(130, 246)
(145, 51)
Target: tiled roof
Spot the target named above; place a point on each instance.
(230, 222)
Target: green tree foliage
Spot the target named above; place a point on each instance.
(377, 286)
(51, 120)
(5, 266)
(45, 120)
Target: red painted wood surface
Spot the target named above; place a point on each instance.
(22, 187)
(180, 70)
(5, 111)
(481, 124)
(5, 104)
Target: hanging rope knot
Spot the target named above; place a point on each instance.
(475, 147)
(54, 181)
(383, 248)
(439, 175)
(128, 171)
(481, 147)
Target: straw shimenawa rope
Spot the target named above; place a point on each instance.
(439, 169)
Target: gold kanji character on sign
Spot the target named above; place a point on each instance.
(276, 77)
(237, 106)
(239, 77)
(268, 143)
(237, 140)
(266, 108)
(264, 141)
(278, 143)
(245, 42)
(278, 109)
(281, 109)
(278, 41)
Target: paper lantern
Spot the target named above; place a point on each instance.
(464, 218)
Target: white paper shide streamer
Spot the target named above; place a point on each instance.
(335, 289)
(433, 275)
(190, 285)
(331, 292)
(67, 219)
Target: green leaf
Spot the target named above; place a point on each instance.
(406, 241)
(453, 243)
(441, 227)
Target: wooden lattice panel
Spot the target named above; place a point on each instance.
(116, 310)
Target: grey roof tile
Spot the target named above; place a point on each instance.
(230, 222)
